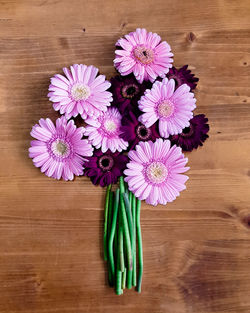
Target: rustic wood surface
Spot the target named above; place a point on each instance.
(197, 249)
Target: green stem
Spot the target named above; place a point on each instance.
(126, 233)
(110, 217)
(134, 229)
(140, 253)
(120, 245)
(112, 235)
(129, 216)
(131, 231)
(106, 210)
(118, 288)
(124, 274)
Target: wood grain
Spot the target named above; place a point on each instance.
(197, 249)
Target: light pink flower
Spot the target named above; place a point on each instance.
(59, 150)
(104, 131)
(143, 54)
(80, 92)
(154, 171)
(173, 109)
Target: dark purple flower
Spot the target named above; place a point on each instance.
(127, 91)
(183, 76)
(133, 131)
(194, 135)
(105, 168)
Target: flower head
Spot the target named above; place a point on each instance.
(154, 171)
(193, 136)
(172, 108)
(143, 54)
(105, 168)
(134, 132)
(126, 92)
(80, 92)
(183, 76)
(59, 150)
(104, 131)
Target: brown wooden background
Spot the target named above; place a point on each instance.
(197, 249)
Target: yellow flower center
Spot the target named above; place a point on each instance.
(80, 92)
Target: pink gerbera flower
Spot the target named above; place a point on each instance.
(154, 171)
(80, 92)
(143, 54)
(104, 131)
(173, 109)
(59, 150)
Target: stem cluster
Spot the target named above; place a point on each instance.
(122, 239)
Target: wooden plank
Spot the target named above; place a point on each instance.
(196, 250)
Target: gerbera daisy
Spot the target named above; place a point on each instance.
(59, 150)
(183, 76)
(172, 108)
(80, 92)
(133, 131)
(105, 168)
(154, 171)
(104, 131)
(143, 54)
(126, 92)
(194, 135)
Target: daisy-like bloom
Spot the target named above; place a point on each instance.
(80, 92)
(134, 132)
(143, 54)
(193, 136)
(105, 168)
(173, 108)
(154, 172)
(59, 150)
(127, 92)
(183, 76)
(104, 131)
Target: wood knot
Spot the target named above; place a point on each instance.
(191, 37)
(84, 30)
(246, 221)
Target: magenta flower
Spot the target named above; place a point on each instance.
(183, 76)
(143, 54)
(104, 131)
(154, 172)
(80, 92)
(59, 150)
(126, 92)
(134, 132)
(105, 168)
(172, 108)
(193, 136)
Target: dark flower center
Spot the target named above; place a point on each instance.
(106, 162)
(142, 132)
(187, 131)
(129, 91)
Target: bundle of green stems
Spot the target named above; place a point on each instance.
(122, 239)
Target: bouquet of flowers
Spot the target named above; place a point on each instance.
(136, 128)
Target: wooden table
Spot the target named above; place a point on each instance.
(197, 249)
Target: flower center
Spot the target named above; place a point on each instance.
(80, 91)
(165, 108)
(143, 54)
(143, 133)
(156, 172)
(129, 91)
(60, 148)
(106, 162)
(187, 131)
(110, 126)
